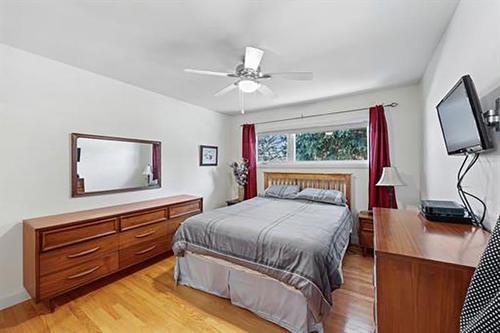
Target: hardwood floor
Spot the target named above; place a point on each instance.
(148, 301)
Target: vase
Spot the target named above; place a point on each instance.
(241, 193)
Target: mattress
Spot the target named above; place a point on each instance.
(299, 243)
(266, 297)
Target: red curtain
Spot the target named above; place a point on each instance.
(156, 161)
(249, 154)
(379, 158)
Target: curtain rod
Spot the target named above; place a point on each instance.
(391, 105)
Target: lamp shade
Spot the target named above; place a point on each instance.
(390, 177)
(147, 170)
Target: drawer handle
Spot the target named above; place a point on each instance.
(146, 250)
(92, 270)
(147, 233)
(83, 253)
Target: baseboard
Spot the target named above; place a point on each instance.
(13, 299)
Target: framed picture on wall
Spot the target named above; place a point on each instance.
(209, 155)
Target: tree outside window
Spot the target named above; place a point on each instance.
(343, 144)
(272, 147)
(339, 145)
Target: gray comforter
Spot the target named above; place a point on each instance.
(300, 243)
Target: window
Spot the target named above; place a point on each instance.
(344, 144)
(272, 147)
(340, 144)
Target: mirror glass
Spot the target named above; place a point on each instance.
(109, 164)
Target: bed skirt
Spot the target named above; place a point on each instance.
(266, 297)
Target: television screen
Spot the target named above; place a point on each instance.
(461, 120)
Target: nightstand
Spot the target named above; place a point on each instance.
(365, 231)
(232, 202)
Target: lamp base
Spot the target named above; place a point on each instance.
(391, 197)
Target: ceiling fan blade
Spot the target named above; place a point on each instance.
(203, 72)
(266, 91)
(301, 76)
(253, 57)
(225, 90)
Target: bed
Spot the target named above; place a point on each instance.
(279, 258)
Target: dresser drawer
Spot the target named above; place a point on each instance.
(139, 219)
(366, 239)
(52, 239)
(185, 208)
(144, 233)
(366, 225)
(173, 224)
(176, 222)
(59, 282)
(139, 252)
(65, 257)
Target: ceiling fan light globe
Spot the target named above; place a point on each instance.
(248, 86)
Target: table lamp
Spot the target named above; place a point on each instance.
(390, 177)
(148, 172)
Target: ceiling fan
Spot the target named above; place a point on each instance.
(248, 76)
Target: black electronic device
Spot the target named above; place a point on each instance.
(445, 211)
(466, 219)
(462, 122)
(440, 207)
(465, 131)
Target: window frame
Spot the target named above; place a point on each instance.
(291, 162)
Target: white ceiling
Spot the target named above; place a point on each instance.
(350, 45)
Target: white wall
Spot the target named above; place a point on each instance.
(471, 45)
(43, 101)
(404, 133)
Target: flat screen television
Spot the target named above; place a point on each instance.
(461, 120)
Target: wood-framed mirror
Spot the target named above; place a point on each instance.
(106, 164)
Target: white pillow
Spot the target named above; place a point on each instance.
(282, 191)
(333, 197)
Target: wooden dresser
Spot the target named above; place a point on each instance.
(422, 271)
(66, 251)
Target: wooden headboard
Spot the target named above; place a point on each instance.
(328, 181)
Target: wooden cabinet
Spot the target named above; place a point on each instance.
(422, 271)
(66, 251)
(365, 231)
